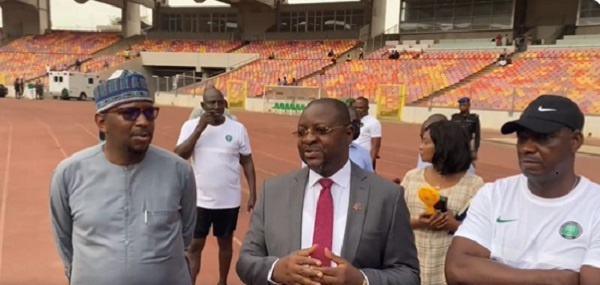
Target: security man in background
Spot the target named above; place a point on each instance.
(471, 123)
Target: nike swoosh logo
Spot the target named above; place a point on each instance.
(500, 220)
(542, 109)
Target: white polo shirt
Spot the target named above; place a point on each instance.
(216, 162)
(371, 128)
(529, 232)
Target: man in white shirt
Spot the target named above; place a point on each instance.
(538, 227)
(370, 132)
(330, 222)
(217, 146)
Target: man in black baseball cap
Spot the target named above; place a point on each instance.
(548, 114)
(549, 133)
(547, 206)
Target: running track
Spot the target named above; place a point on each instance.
(36, 135)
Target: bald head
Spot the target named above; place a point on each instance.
(213, 101)
(362, 100)
(212, 93)
(341, 110)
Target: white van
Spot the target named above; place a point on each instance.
(67, 85)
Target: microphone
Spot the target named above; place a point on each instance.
(430, 197)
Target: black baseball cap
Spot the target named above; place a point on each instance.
(547, 114)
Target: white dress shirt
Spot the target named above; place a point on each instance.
(340, 191)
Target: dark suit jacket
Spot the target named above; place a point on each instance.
(379, 239)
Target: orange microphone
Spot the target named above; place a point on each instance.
(430, 197)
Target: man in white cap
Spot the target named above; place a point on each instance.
(123, 212)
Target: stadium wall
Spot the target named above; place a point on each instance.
(490, 119)
(588, 30)
(198, 60)
(456, 35)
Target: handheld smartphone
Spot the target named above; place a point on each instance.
(442, 204)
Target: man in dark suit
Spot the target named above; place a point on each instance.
(330, 222)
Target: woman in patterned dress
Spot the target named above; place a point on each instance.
(446, 146)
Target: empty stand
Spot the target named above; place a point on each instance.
(298, 49)
(293, 59)
(384, 53)
(421, 75)
(262, 73)
(186, 46)
(154, 45)
(62, 42)
(571, 72)
(29, 55)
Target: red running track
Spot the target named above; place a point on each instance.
(36, 135)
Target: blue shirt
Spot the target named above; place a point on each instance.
(360, 156)
(421, 164)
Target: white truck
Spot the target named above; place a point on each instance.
(67, 85)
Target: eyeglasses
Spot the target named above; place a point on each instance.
(315, 131)
(132, 113)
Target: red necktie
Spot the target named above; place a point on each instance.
(323, 232)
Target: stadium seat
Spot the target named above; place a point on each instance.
(56, 49)
(293, 59)
(570, 72)
(156, 45)
(422, 76)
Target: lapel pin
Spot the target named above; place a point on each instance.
(357, 207)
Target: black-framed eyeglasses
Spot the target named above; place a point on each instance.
(315, 131)
(358, 123)
(132, 113)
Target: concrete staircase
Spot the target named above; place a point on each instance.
(120, 46)
(463, 82)
(341, 58)
(238, 47)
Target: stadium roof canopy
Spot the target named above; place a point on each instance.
(270, 3)
(119, 3)
(151, 3)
